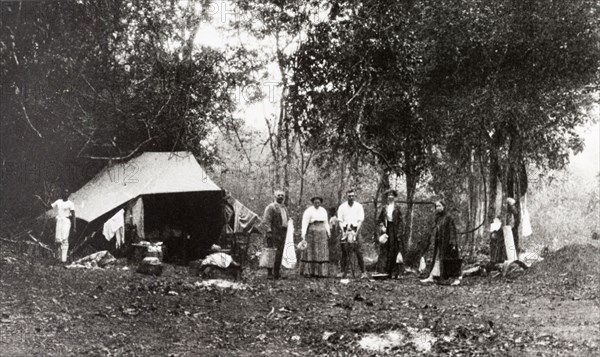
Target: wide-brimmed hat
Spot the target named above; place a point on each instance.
(316, 198)
(392, 191)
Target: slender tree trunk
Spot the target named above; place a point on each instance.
(283, 125)
(279, 153)
(494, 172)
(469, 241)
(273, 145)
(341, 187)
(302, 172)
(286, 164)
(480, 205)
(517, 230)
(411, 186)
(382, 186)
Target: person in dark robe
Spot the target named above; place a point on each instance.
(445, 238)
(497, 248)
(390, 223)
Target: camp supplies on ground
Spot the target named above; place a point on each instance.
(99, 259)
(150, 266)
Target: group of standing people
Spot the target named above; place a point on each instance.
(344, 224)
(318, 227)
(316, 230)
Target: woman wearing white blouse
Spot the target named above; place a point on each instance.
(314, 260)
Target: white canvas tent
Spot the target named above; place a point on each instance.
(175, 191)
(149, 173)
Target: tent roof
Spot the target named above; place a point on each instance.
(149, 173)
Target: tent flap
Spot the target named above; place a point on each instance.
(243, 220)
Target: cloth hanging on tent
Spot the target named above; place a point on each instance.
(239, 218)
(115, 227)
(135, 216)
(229, 215)
(245, 219)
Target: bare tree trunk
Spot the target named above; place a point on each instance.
(283, 124)
(469, 238)
(480, 204)
(342, 185)
(517, 230)
(304, 165)
(493, 189)
(273, 145)
(411, 186)
(494, 172)
(382, 186)
(286, 164)
(302, 172)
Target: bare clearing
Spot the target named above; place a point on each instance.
(49, 310)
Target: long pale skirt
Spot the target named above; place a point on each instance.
(314, 260)
(436, 270)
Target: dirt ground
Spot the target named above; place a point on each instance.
(47, 310)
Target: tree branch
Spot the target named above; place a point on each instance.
(237, 135)
(367, 147)
(29, 120)
(357, 93)
(121, 157)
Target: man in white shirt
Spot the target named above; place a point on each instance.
(65, 213)
(351, 216)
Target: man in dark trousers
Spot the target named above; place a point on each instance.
(276, 222)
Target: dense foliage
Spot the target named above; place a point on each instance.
(436, 86)
(84, 82)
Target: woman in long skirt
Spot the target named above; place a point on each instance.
(314, 260)
(445, 236)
